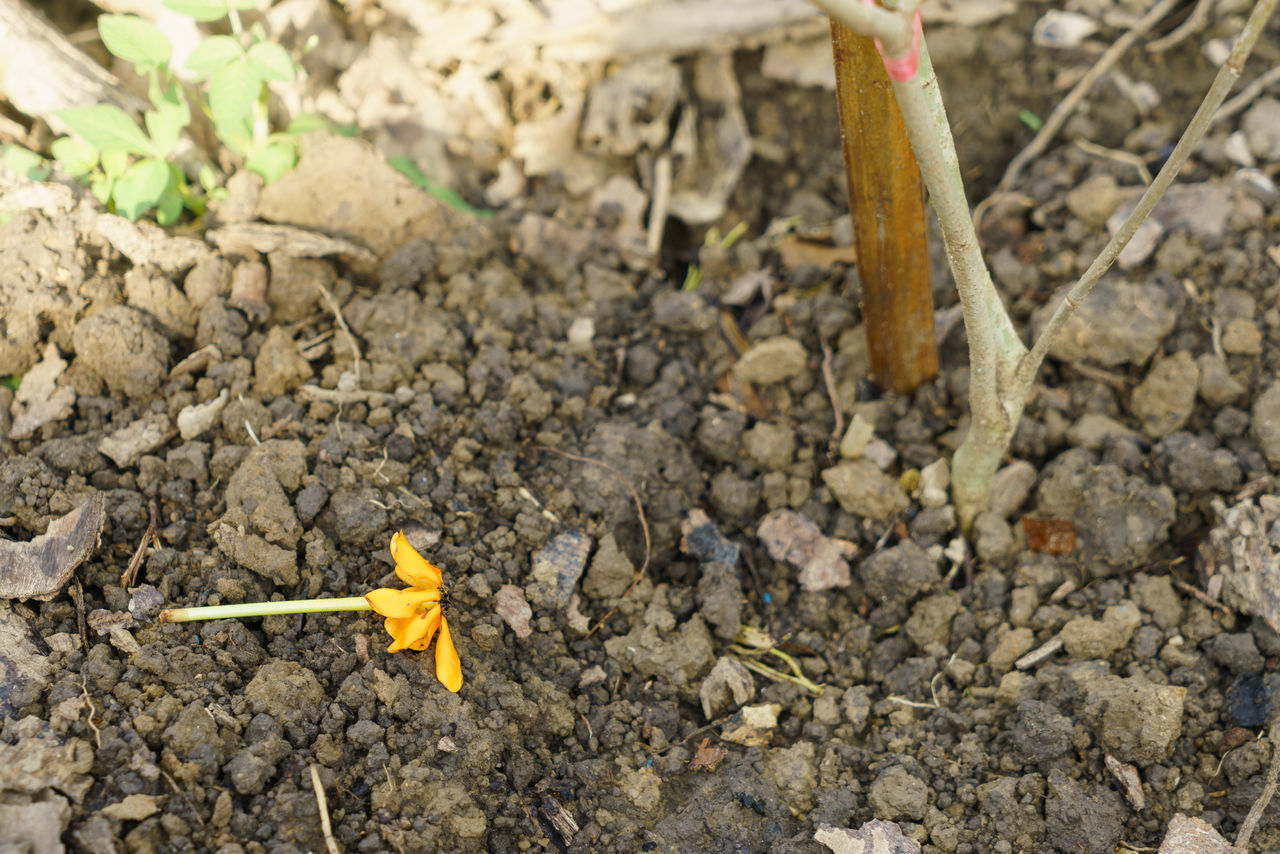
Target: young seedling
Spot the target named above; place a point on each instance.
(133, 168)
(1001, 367)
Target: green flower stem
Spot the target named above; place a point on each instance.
(264, 609)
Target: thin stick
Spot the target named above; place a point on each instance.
(1063, 111)
(322, 805)
(644, 523)
(342, 324)
(1196, 129)
(1193, 24)
(88, 701)
(1250, 822)
(829, 380)
(131, 574)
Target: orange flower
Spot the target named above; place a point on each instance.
(414, 614)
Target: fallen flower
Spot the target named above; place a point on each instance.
(416, 612)
(413, 614)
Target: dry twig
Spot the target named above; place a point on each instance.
(322, 805)
(829, 380)
(1193, 24)
(130, 575)
(342, 324)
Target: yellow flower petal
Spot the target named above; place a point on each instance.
(413, 632)
(390, 602)
(413, 568)
(448, 666)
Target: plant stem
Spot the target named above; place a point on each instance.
(263, 609)
(893, 30)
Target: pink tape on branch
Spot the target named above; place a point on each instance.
(903, 68)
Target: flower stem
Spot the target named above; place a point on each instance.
(263, 609)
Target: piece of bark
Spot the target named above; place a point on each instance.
(38, 569)
(66, 76)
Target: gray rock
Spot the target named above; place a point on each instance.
(772, 360)
(1165, 398)
(1094, 200)
(1085, 637)
(899, 574)
(190, 460)
(1242, 337)
(770, 446)
(1236, 652)
(279, 367)
(794, 770)
(864, 490)
(992, 537)
(1010, 488)
(1264, 423)
(1139, 721)
(355, 515)
(611, 570)
(1040, 731)
(735, 497)
(896, 794)
(1120, 323)
(557, 566)
(728, 685)
(1093, 429)
(931, 617)
(1082, 819)
(1261, 125)
(1193, 464)
(1216, 384)
(856, 706)
(1119, 519)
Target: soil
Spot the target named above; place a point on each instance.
(618, 476)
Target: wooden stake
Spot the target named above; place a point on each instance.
(886, 198)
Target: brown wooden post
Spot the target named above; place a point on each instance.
(886, 199)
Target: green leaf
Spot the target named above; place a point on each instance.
(242, 4)
(24, 161)
(170, 205)
(201, 10)
(307, 122)
(165, 126)
(450, 197)
(77, 157)
(208, 180)
(107, 128)
(140, 188)
(273, 161)
(237, 135)
(135, 40)
(271, 62)
(212, 55)
(1030, 119)
(12, 381)
(114, 163)
(232, 92)
(100, 186)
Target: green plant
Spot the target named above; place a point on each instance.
(133, 168)
(450, 197)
